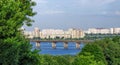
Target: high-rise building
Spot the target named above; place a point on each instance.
(98, 31)
(55, 33)
(103, 31)
(70, 33)
(36, 32)
(115, 30)
(52, 33)
(76, 33)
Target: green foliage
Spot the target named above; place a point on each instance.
(56, 60)
(91, 54)
(14, 52)
(87, 59)
(9, 53)
(111, 49)
(14, 48)
(13, 14)
(94, 50)
(100, 52)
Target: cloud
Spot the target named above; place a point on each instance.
(117, 12)
(40, 1)
(94, 3)
(110, 12)
(104, 13)
(52, 12)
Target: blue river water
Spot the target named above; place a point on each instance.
(46, 48)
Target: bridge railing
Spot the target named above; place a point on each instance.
(61, 40)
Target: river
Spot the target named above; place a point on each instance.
(46, 48)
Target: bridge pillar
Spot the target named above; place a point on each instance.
(54, 45)
(37, 44)
(65, 45)
(77, 45)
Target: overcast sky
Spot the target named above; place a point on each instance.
(83, 14)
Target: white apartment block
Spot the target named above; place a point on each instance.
(76, 33)
(115, 30)
(99, 31)
(36, 32)
(70, 33)
(53, 33)
(103, 31)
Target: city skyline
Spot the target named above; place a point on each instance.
(84, 14)
(70, 33)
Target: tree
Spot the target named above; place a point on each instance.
(95, 50)
(91, 54)
(87, 59)
(14, 48)
(56, 60)
(110, 48)
(13, 14)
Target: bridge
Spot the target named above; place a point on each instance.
(65, 42)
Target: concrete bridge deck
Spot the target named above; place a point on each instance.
(35, 40)
(65, 42)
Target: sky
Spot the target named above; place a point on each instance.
(81, 14)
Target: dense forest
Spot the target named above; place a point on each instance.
(16, 50)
